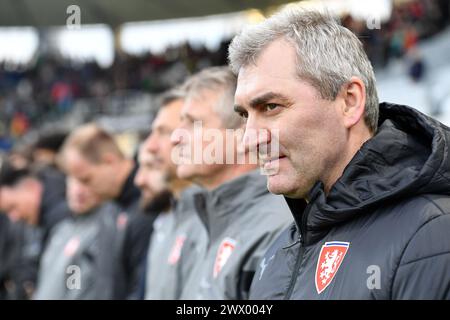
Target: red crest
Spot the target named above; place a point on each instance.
(331, 256)
(223, 254)
(72, 246)
(175, 253)
(121, 221)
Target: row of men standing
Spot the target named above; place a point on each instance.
(64, 218)
(168, 228)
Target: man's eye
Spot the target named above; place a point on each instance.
(243, 115)
(165, 132)
(271, 106)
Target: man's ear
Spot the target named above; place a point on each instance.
(354, 101)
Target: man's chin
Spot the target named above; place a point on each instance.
(79, 210)
(280, 185)
(144, 202)
(184, 172)
(160, 203)
(274, 185)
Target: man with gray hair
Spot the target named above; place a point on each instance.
(179, 236)
(368, 184)
(240, 215)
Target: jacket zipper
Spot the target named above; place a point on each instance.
(296, 271)
(299, 260)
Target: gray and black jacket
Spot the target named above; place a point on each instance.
(176, 245)
(242, 219)
(80, 259)
(382, 232)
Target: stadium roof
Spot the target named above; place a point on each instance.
(43, 13)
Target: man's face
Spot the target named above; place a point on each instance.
(80, 197)
(150, 180)
(21, 201)
(96, 176)
(158, 142)
(311, 136)
(198, 110)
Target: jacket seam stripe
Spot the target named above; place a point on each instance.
(427, 257)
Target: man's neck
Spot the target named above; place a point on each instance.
(37, 216)
(178, 186)
(228, 173)
(354, 144)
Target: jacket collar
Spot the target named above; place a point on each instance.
(185, 206)
(228, 202)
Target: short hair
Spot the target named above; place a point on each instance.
(214, 79)
(92, 142)
(171, 95)
(52, 141)
(327, 54)
(11, 176)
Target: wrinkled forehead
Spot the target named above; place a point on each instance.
(275, 70)
(254, 87)
(169, 115)
(200, 98)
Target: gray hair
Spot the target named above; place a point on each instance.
(328, 54)
(171, 95)
(216, 79)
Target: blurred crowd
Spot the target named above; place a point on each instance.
(47, 91)
(409, 23)
(31, 97)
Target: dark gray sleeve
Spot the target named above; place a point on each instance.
(424, 269)
(253, 260)
(20, 248)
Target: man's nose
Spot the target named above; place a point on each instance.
(176, 137)
(255, 135)
(151, 143)
(138, 179)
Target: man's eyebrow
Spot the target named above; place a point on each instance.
(186, 115)
(238, 109)
(158, 127)
(263, 99)
(266, 97)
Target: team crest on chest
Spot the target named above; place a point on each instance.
(224, 252)
(72, 246)
(331, 256)
(121, 221)
(175, 253)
